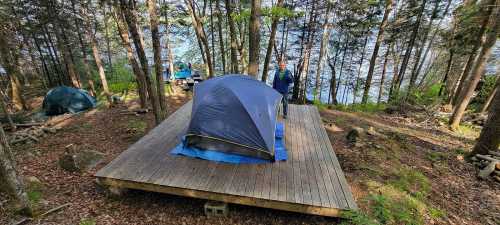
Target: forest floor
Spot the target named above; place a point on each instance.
(401, 175)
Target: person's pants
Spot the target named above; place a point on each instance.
(284, 101)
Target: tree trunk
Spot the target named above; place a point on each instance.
(106, 37)
(418, 54)
(373, 59)
(6, 112)
(427, 49)
(95, 51)
(493, 26)
(155, 36)
(139, 74)
(83, 47)
(333, 80)
(200, 33)
(131, 19)
(220, 20)
(409, 48)
(10, 176)
(270, 45)
(356, 83)
(323, 46)
(254, 39)
(489, 139)
(493, 93)
(447, 73)
(9, 54)
(382, 77)
(232, 34)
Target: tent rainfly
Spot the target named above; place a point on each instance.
(63, 99)
(234, 114)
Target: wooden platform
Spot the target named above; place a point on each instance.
(310, 181)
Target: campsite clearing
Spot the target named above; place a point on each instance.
(310, 181)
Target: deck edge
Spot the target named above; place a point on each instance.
(228, 198)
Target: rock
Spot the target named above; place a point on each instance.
(473, 158)
(498, 166)
(373, 132)
(485, 173)
(497, 178)
(354, 134)
(80, 161)
(33, 179)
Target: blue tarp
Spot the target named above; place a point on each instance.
(63, 99)
(235, 114)
(182, 74)
(213, 155)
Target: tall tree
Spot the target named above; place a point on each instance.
(155, 36)
(129, 12)
(323, 46)
(10, 176)
(220, 21)
(271, 43)
(95, 51)
(382, 77)
(380, 35)
(254, 39)
(411, 44)
(200, 33)
(232, 34)
(139, 74)
(491, 22)
(488, 139)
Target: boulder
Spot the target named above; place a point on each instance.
(80, 160)
(354, 134)
(486, 172)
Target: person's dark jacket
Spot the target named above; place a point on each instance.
(282, 85)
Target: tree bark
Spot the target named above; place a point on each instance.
(323, 46)
(155, 36)
(83, 47)
(494, 92)
(270, 45)
(220, 20)
(11, 177)
(232, 34)
(106, 37)
(254, 39)
(489, 140)
(9, 54)
(373, 59)
(200, 33)
(409, 48)
(128, 10)
(139, 74)
(418, 54)
(490, 21)
(382, 77)
(356, 82)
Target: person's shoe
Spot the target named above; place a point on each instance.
(284, 116)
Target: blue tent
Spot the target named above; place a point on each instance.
(63, 99)
(234, 114)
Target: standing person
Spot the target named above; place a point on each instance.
(281, 83)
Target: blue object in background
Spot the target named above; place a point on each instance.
(280, 153)
(182, 74)
(63, 99)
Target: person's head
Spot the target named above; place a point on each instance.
(282, 65)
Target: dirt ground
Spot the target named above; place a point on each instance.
(454, 186)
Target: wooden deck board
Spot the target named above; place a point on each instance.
(310, 181)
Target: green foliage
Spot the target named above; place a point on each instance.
(484, 93)
(121, 87)
(369, 107)
(429, 96)
(436, 213)
(87, 221)
(34, 196)
(358, 218)
(137, 125)
(395, 211)
(436, 156)
(413, 182)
